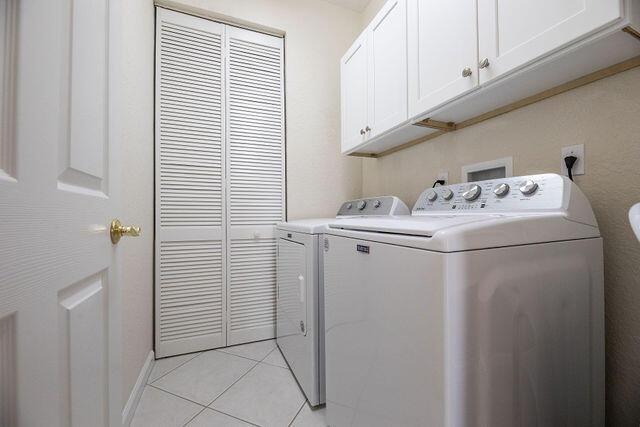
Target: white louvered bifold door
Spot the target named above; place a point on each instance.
(255, 179)
(190, 192)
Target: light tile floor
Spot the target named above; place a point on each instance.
(238, 386)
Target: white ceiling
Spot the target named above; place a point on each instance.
(357, 5)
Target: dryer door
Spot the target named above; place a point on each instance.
(296, 330)
(292, 277)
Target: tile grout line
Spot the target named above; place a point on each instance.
(234, 383)
(275, 366)
(176, 395)
(271, 364)
(226, 389)
(237, 355)
(182, 364)
(304, 402)
(194, 417)
(233, 416)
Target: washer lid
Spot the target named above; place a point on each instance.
(465, 232)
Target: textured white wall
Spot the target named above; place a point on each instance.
(317, 35)
(604, 116)
(136, 278)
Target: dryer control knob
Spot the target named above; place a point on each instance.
(528, 187)
(472, 193)
(349, 205)
(432, 195)
(362, 204)
(447, 194)
(377, 204)
(501, 190)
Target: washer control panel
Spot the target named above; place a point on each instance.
(384, 205)
(534, 192)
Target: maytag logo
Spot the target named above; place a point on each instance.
(362, 248)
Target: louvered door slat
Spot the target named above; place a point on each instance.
(190, 187)
(255, 165)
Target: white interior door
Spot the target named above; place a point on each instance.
(387, 68)
(353, 82)
(255, 180)
(190, 190)
(59, 321)
(514, 33)
(442, 43)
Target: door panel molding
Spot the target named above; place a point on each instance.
(83, 151)
(8, 53)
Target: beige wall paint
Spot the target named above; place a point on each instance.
(317, 35)
(136, 255)
(370, 12)
(605, 116)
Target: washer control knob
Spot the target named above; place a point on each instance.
(528, 187)
(447, 194)
(432, 195)
(377, 204)
(362, 204)
(472, 193)
(349, 206)
(501, 190)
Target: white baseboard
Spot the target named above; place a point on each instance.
(136, 393)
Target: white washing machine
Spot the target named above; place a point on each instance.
(484, 308)
(300, 316)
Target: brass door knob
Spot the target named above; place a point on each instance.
(117, 230)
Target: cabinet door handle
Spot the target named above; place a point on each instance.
(484, 63)
(362, 132)
(368, 129)
(467, 72)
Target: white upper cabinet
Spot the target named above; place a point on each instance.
(442, 51)
(514, 33)
(426, 66)
(353, 71)
(387, 68)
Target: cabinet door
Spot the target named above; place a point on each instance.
(442, 43)
(387, 68)
(514, 33)
(353, 72)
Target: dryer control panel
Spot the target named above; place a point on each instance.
(374, 206)
(525, 193)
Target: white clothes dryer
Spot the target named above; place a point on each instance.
(300, 300)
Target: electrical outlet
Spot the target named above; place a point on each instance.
(578, 167)
(444, 175)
